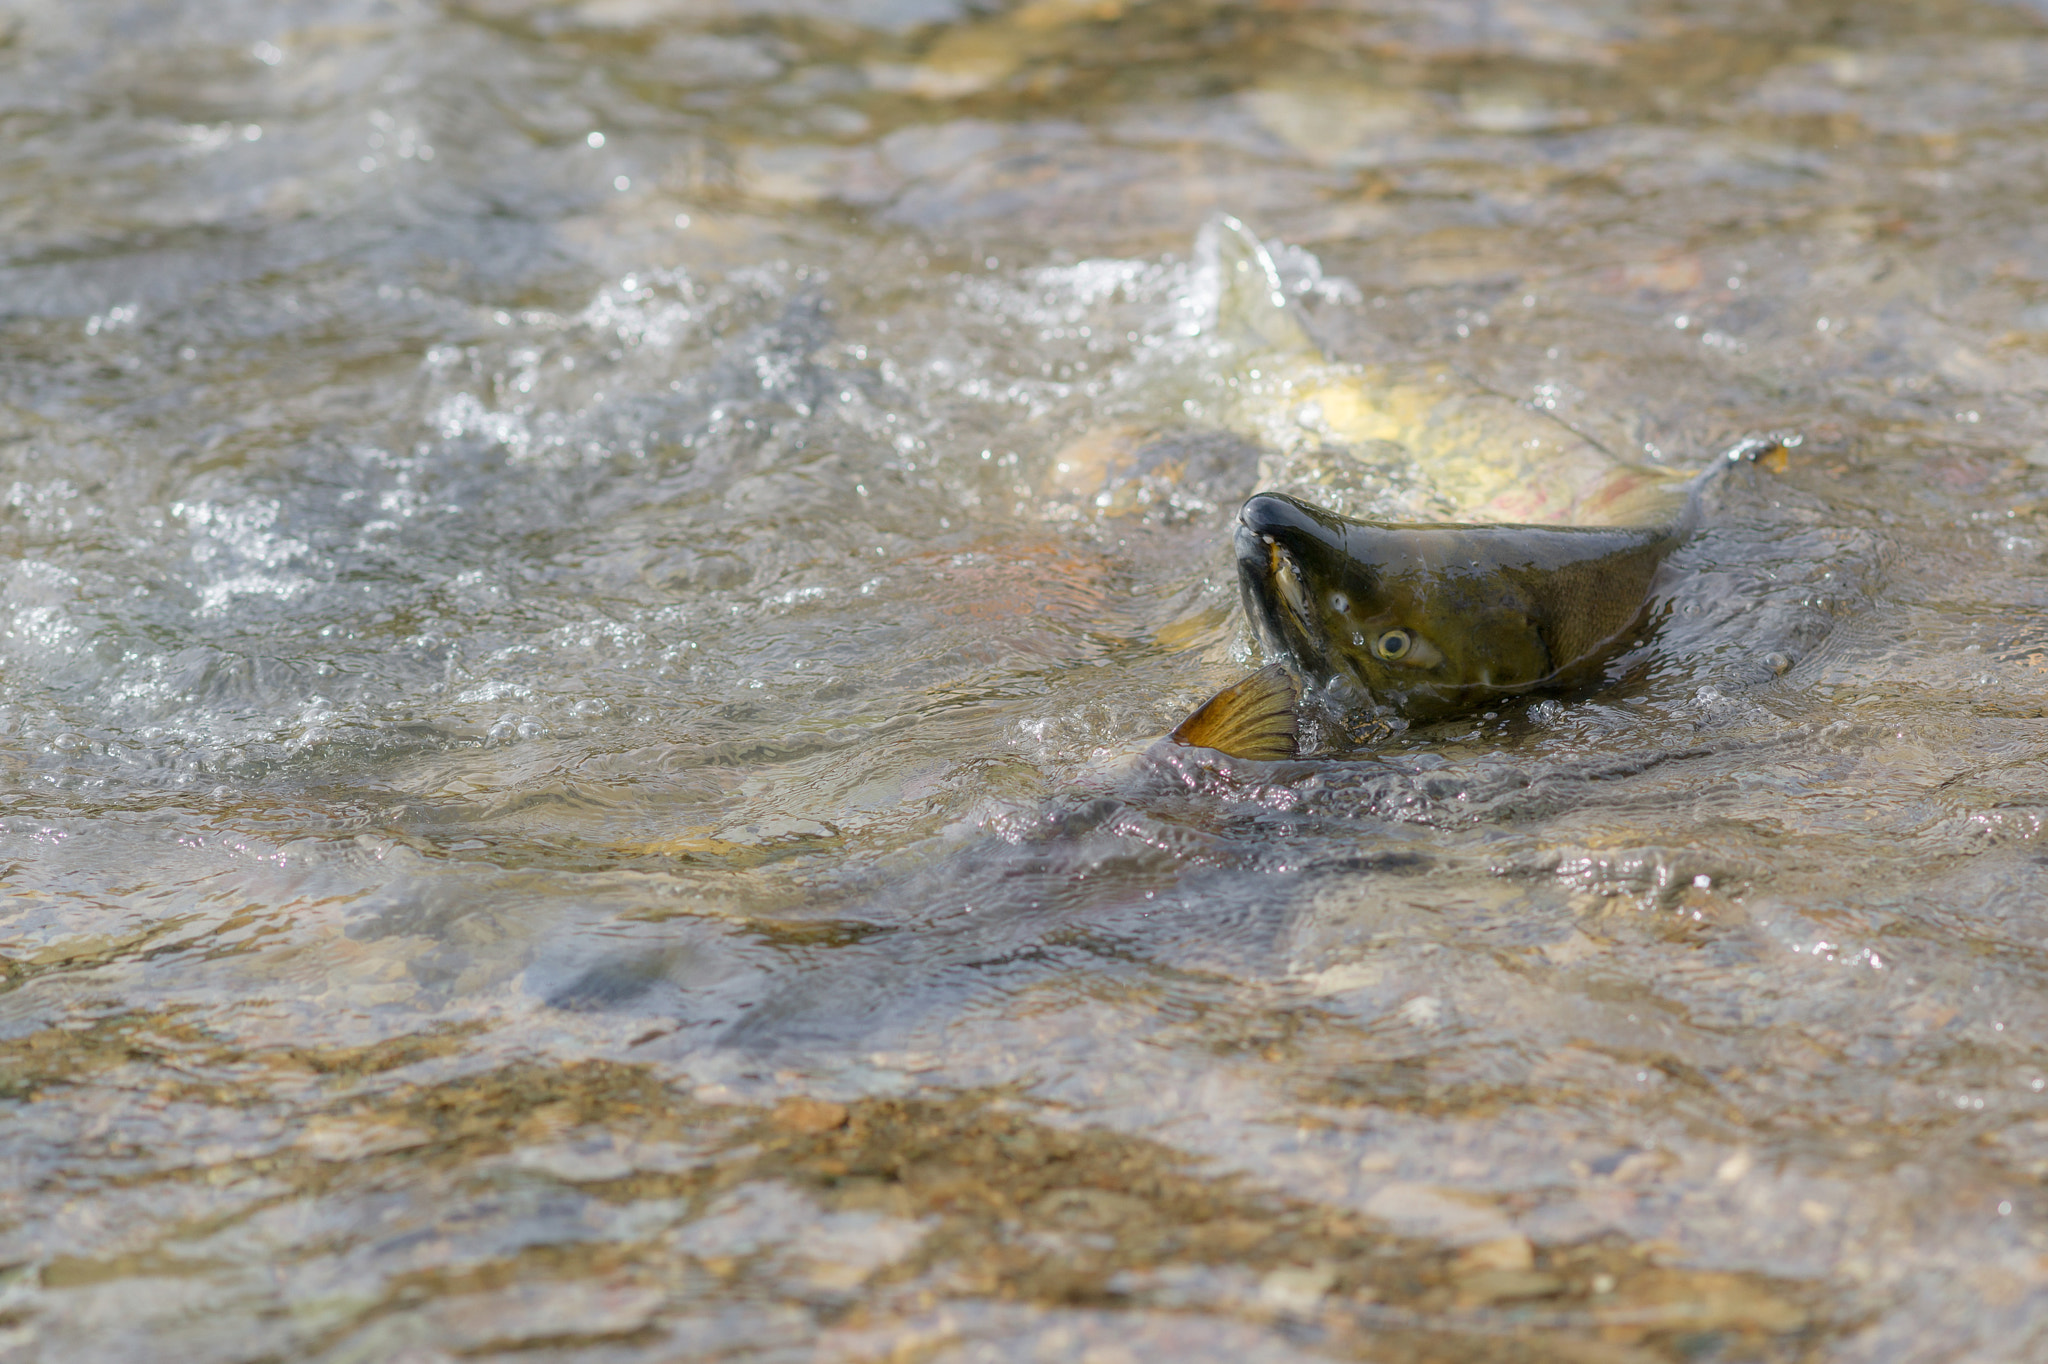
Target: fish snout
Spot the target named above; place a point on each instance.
(1276, 540)
(1289, 540)
(1275, 518)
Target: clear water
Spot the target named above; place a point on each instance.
(585, 588)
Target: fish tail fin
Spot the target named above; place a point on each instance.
(1251, 308)
(1772, 452)
(1252, 718)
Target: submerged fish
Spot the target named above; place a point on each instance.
(1432, 619)
(1421, 442)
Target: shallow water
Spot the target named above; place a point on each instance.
(587, 584)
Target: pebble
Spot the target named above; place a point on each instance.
(808, 1117)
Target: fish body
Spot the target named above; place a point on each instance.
(1550, 569)
(1433, 620)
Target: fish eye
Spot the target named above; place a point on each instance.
(1339, 603)
(1392, 645)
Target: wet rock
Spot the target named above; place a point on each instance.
(1509, 1253)
(808, 1117)
(1697, 1300)
(1297, 1288)
(1505, 1285)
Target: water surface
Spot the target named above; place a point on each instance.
(586, 585)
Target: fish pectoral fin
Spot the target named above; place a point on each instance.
(1251, 719)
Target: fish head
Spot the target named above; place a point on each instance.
(1430, 620)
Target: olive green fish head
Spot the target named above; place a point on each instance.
(1437, 619)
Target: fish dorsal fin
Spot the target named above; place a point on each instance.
(1772, 452)
(1252, 311)
(1251, 719)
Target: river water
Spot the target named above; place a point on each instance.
(588, 584)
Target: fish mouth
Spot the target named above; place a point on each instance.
(1276, 541)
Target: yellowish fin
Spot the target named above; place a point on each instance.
(1251, 719)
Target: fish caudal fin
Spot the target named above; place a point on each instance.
(1251, 719)
(1252, 311)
